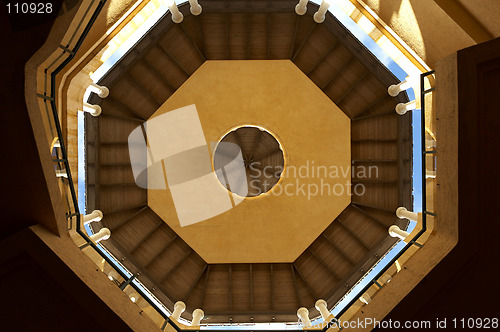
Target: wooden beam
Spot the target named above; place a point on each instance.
(268, 35)
(374, 161)
(374, 207)
(132, 216)
(392, 112)
(251, 284)
(228, 43)
(299, 301)
(121, 117)
(121, 106)
(247, 25)
(177, 63)
(197, 49)
(330, 51)
(374, 181)
(325, 265)
(230, 287)
(112, 164)
(353, 85)
(386, 96)
(380, 223)
(271, 272)
(128, 208)
(146, 236)
(143, 91)
(304, 41)
(97, 188)
(111, 143)
(122, 184)
(294, 38)
(309, 288)
(156, 74)
(337, 248)
(354, 235)
(161, 251)
(374, 140)
(204, 289)
(338, 72)
(176, 265)
(193, 285)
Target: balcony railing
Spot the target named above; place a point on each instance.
(51, 117)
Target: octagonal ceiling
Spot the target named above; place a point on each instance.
(314, 134)
(346, 72)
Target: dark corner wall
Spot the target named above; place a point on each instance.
(39, 291)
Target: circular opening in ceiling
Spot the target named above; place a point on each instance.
(249, 161)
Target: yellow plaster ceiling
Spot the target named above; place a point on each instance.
(313, 131)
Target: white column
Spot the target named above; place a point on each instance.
(101, 90)
(177, 16)
(365, 298)
(301, 7)
(195, 7)
(303, 314)
(103, 234)
(319, 16)
(113, 275)
(402, 108)
(402, 213)
(94, 110)
(386, 278)
(430, 174)
(96, 215)
(321, 306)
(395, 89)
(198, 315)
(395, 231)
(430, 143)
(61, 173)
(134, 297)
(179, 308)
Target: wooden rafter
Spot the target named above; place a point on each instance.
(143, 208)
(230, 286)
(385, 96)
(146, 236)
(338, 72)
(353, 234)
(157, 75)
(297, 295)
(204, 289)
(271, 273)
(294, 38)
(177, 63)
(143, 91)
(161, 251)
(304, 41)
(325, 265)
(121, 106)
(352, 87)
(308, 286)
(330, 51)
(197, 49)
(250, 271)
(176, 265)
(377, 221)
(193, 285)
(338, 249)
